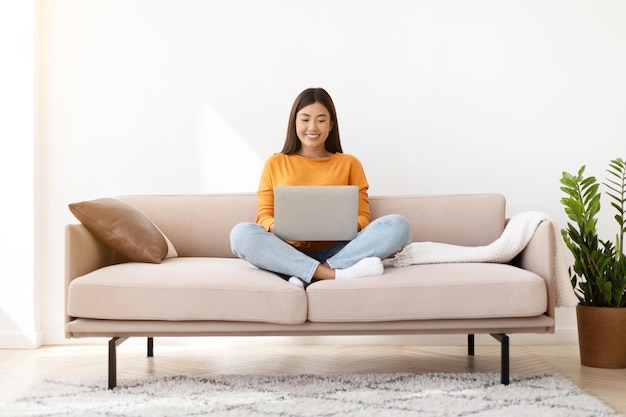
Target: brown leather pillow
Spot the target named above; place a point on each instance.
(122, 227)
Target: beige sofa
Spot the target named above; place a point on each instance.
(206, 291)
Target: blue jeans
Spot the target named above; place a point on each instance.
(382, 238)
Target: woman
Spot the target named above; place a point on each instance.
(312, 155)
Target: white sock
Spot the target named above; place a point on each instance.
(297, 282)
(364, 268)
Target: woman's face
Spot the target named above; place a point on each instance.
(313, 125)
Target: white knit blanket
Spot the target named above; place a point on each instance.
(516, 235)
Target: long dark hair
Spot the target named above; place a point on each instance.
(305, 98)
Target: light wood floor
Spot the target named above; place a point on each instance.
(21, 368)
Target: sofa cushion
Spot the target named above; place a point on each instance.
(225, 289)
(420, 292)
(124, 228)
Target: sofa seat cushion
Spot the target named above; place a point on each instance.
(435, 291)
(227, 289)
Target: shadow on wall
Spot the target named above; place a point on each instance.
(14, 336)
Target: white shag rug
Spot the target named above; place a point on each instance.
(388, 395)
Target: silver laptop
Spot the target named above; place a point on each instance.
(328, 212)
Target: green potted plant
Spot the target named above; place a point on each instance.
(599, 270)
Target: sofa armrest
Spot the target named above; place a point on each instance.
(539, 257)
(83, 253)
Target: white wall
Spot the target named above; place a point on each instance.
(145, 96)
(18, 322)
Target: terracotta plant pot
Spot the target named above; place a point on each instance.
(602, 336)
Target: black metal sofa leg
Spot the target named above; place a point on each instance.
(113, 344)
(150, 347)
(504, 353)
(504, 356)
(470, 344)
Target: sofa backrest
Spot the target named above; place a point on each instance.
(199, 225)
(457, 219)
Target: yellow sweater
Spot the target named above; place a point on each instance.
(282, 169)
